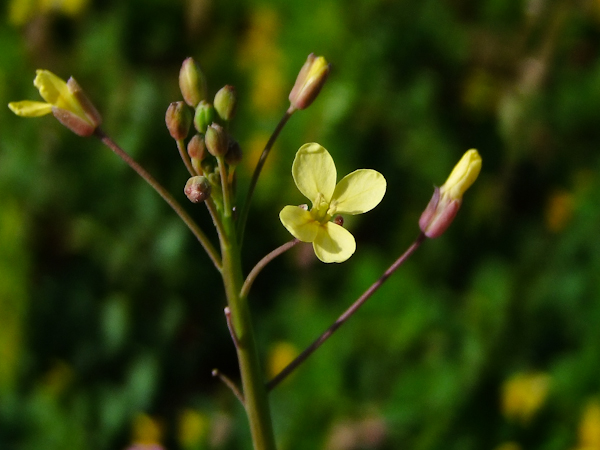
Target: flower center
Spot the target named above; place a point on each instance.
(321, 210)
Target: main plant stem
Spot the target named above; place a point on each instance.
(253, 384)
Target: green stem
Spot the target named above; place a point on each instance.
(259, 165)
(225, 186)
(185, 158)
(253, 385)
(167, 197)
(346, 315)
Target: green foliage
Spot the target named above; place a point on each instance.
(109, 309)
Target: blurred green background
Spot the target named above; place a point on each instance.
(111, 315)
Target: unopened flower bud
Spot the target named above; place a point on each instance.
(310, 80)
(197, 152)
(203, 116)
(192, 82)
(197, 189)
(226, 102)
(178, 120)
(234, 153)
(446, 201)
(216, 140)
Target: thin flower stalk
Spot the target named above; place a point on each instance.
(346, 315)
(262, 264)
(259, 165)
(167, 197)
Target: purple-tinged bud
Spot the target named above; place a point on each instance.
(216, 140)
(204, 116)
(226, 102)
(446, 201)
(192, 82)
(197, 189)
(197, 152)
(310, 80)
(178, 120)
(234, 153)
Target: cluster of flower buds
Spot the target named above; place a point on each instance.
(211, 142)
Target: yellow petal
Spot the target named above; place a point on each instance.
(334, 243)
(358, 192)
(463, 175)
(55, 91)
(300, 223)
(51, 87)
(28, 108)
(314, 172)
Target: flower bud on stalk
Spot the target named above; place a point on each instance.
(446, 201)
(197, 152)
(192, 82)
(203, 116)
(226, 102)
(310, 80)
(216, 140)
(178, 120)
(197, 189)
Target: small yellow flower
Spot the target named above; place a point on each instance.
(446, 200)
(523, 395)
(65, 100)
(589, 427)
(315, 176)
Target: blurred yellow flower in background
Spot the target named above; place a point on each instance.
(146, 430)
(260, 55)
(280, 355)
(22, 11)
(523, 394)
(589, 427)
(559, 211)
(508, 446)
(192, 428)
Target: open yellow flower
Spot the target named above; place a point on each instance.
(65, 100)
(315, 176)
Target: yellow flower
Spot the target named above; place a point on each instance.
(589, 427)
(446, 201)
(523, 395)
(315, 176)
(65, 100)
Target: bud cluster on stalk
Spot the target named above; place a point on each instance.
(210, 144)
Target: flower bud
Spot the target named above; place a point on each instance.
(204, 116)
(226, 102)
(197, 189)
(192, 82)
(197, 152)
(446, 201)
(310, 80)
(234, 153)
(216, 140)
(178, 120)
